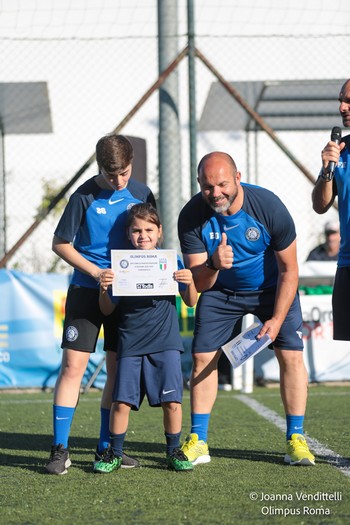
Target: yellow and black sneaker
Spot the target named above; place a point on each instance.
(197, 451)
(298, 452)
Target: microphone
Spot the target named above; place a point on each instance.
(335, 137)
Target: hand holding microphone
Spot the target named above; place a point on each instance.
(330, 154)
(335, 137)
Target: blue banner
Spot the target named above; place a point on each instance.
(32, 309)
(31, 320)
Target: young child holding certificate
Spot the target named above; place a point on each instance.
(149, 349)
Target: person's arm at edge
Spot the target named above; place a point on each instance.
(325, 190)
(323, 195)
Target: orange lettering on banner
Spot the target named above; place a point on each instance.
(317, 330)
(59, 303)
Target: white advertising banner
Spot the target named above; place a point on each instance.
(325, 359)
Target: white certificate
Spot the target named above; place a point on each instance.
(144, 272)
(245, 345)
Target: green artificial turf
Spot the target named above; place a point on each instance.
(245, 483)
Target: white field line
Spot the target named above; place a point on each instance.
(311, 394)
(334, 459)
(39, 401)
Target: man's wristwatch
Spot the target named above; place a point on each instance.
(326, 176)
(209, 264)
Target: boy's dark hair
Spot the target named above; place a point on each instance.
(114, 153)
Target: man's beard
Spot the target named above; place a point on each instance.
(224, 207)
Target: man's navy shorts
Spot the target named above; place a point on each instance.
(158, 375)
(218, 311)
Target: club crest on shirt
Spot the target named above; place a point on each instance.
(71, 333)
(252, 234)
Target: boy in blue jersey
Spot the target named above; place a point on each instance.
(92, 224)
(149, 350)
(328, 186)
(239, 241)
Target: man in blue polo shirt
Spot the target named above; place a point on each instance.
(239, 241)
(329, 185)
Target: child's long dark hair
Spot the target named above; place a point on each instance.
(144, 211)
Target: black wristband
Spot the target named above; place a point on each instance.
(209, 264)
(326, 176)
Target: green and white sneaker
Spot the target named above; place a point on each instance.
(108, 462)
(178, 461)
(127, 461)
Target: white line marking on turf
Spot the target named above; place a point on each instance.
(312, 394)
(331, 457)
(39, 401)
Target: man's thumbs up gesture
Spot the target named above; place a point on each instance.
(223, 256)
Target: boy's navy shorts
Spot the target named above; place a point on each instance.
(218, 311)
(158, 376)
(83, 321)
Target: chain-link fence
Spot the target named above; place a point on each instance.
(72, 70)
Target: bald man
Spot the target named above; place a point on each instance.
(239, 241)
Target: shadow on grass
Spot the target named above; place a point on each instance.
(78, 446)
(250, 455)
(153, 454)
(274, 457)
